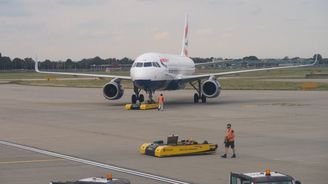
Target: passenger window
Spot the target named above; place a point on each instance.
(148, 64)
(139, 64)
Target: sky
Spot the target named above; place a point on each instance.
(77, 29)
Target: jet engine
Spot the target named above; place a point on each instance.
(211, 88)
(113, 90)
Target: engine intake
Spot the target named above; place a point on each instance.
(113, 90)
(211, 88)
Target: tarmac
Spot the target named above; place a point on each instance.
(284, 131)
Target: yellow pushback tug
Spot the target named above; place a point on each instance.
(142, 106)
(176, 148)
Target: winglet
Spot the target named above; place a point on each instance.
(184, 51)
(36, 66)
(316, 60)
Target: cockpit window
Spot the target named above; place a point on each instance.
(163, 64)
(156, 65)
(139, 64)
(147, 64)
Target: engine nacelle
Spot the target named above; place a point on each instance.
(211, 88)
(113, 90)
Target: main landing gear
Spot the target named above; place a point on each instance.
(198, 96)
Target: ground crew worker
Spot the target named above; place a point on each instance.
(189, 141)
(109, 176)
(161, 102)
(229, 141)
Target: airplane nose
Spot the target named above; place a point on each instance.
(144, 74)
(147, 79)
(149, 84)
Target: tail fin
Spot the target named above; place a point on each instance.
(184, 51)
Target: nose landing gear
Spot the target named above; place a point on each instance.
(140, 97)
(137, 96)
(150, 104)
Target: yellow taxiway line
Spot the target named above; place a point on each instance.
(31, 161)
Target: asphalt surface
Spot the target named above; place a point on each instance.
(285, 131)
(298, 80)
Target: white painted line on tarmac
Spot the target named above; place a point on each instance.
(97, 164)
(31, 161)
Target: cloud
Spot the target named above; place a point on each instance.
(82, 2)
(204, 31)
(84, 28)
(226, 3)
(161, 35)
(2, 2)
(12, 9)
(256, 11)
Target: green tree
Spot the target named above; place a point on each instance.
(18, 63)
(28, 63)
(5, 63)
(250, 58)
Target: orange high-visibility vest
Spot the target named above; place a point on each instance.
(230, 135)
(161, 99)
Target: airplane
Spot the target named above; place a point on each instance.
(157, 71)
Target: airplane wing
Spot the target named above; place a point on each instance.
(82, 74)
(208, 63)
(204, 76)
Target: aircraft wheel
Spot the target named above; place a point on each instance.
(203, 99)
(141, 98)
(134, 99)
(196, 98)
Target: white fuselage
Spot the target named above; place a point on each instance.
(156, 71)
